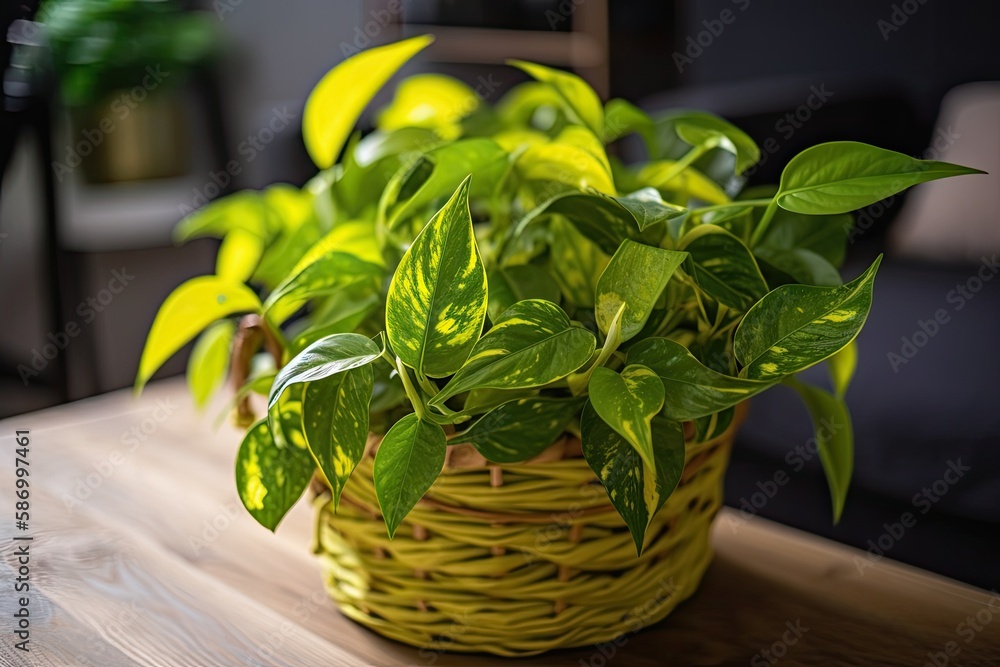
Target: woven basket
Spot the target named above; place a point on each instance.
(517, 559)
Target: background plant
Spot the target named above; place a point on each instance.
(468, 274)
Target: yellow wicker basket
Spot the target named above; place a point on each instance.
(517, 559)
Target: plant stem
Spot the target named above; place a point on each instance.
(686, 161)
(733, 204)
(758, 234)
(411, 391)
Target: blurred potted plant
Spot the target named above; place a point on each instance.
(118, 66)
(528, 359)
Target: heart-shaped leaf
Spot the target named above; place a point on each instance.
(699, 128)
(627, 403)
(843, 176)
(328, 356)
(334, 105)
(796, 326)
(532, 344)
(723, 267)
(186, 312)
(335, 423)
(692, 389)
(429, 101)
(579, 99)
(436, 304)
(635, 277)
(520, 429)
(407, 463)
(270, 478)
(635, 489)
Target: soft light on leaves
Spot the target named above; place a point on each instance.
(334, 105)
(843, 176)
(335, 423)
(209, 361)
(531, 344)
(842, 366)
(241, 210)
(270, 478)
(627, 402)
(408, 461)
(185, 313)
(566, 164)
(238, 255)
(327, 356)
(581, 137)
(520, 106)
(834, 437)
(723, 267)
(688, 183)
(692, 389)
(322, 276)
(635, 277)
(430, 101)
(436, 303)
(700, 128)
(796, 326)
(579, 99)
(636, 491)
(520, 429)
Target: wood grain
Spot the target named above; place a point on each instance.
(143, 555)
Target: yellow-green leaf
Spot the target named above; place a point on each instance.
(408, 461)
(186, 312)
(627, 402)
(270, 477)
(341, 95)
(238, 255)
(436, 304)
(579, 100)
(209, 361)
(687, 183)
(432, 101)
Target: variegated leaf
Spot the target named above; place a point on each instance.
(532, 344)
(635, 490)
(575, 262)
(328, 356)
(796, 326)
(436, 303)
(627, 403)
(269, 477)
(723, 267)
(520, 429)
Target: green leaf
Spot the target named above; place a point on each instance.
(335, 423)
(187, 311)
(436, 303)
(635, 276)
(327, 356)
(451, 164)
(648, 208)
(531, 344)
(580, 101)
(834, 438)
(209, 361)
(699, 128)
(692, 389)
(796, 265)
(842, 176)
(334, 105)
(509, 285)
(842, 366)
(627, 403)
(825, 235)
(622, 117)
(575, 262)
(688, 183)
(796, 326)
(636, 490)
(408, 461)
(242, 210)
(723, 267)
(520, 429)
(325, 275)
(270, 478)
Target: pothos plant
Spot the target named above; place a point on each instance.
(491, 275)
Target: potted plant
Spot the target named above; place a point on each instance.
(118, 65)
(525, 357)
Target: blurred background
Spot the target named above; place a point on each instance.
(120, 117)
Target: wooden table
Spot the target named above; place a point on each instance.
(142, 554)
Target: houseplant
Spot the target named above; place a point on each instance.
(477, 318)
(118, 66)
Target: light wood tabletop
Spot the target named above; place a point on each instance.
(141, 554)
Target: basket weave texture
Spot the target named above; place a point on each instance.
(517, 559)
